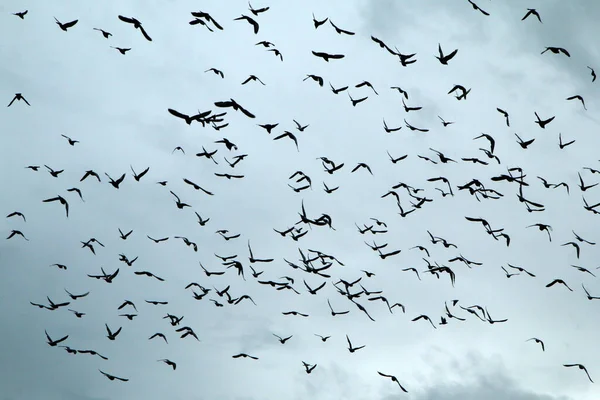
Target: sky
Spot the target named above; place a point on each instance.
(116, 107)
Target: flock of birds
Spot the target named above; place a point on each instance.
(314, 263)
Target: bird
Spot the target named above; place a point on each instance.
(66, 25)
(244, 355)
(137, 25)
(18, 97)
(537, 341)
(21, 14)
(524, 143)
(542, 123)
(477, 8)
(257, 11)
(283, 340)
(61, 200)
(139, 176)
(580, 366)
(169, 363)
(593, 73)
(112, 335)
(253, 78)
(394, 379)
(443, 59)
(104, 33)
(327, 57)
(445, 123)
(578, 97)
(557, 50)
(113, 377)
(17, 214)
(52, 342)
(318, 23)
(216, 71)
(121, 50)
(532, 11)
(341, 31)
(251, 21)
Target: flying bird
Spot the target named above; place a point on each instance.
(137, 25)
(66, 25)
(532, 11)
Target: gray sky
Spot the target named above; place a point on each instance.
(116, 106)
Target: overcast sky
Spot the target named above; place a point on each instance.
(116, 107)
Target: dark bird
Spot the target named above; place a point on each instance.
(52, 342)
(169, 363)
(104, 33)
(244, 355)
(113, 377)
(216, 71)
(315, 78)
(562, 145)
(160, 335)
(90, 173)
(414, 128)
(21, 14)
(53, 172)
(61, 200)
(230, 146)
(501, 111)
(71, 141)
(121, 50)
(277, 53)
(18, 97)
(253, 78)
(350, 348)
(583, 186)
(282, 340)
(593, 73)
(115, 183)
(580, 367)
(112, 335)
(524, 143)
(17, 214)
(137, 25)
(477, 8)
(489, 138)
(579, 238)
(357, 101)
(264, 43)
(560, 281)
(318, 23)
(575, 245)
(394, 379)
(158, 240)
(288, 135)
(557, 50)
(445, 123)
(537, 341)
(578, 97)
(341, 31)
(139, 176)
(257, 11)
(445, 58)
(66, 25)
(252, 22)
(76, 296)
(532, 11)
(233, 104)
(327, 57)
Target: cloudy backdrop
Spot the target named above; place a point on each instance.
(116, 106)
